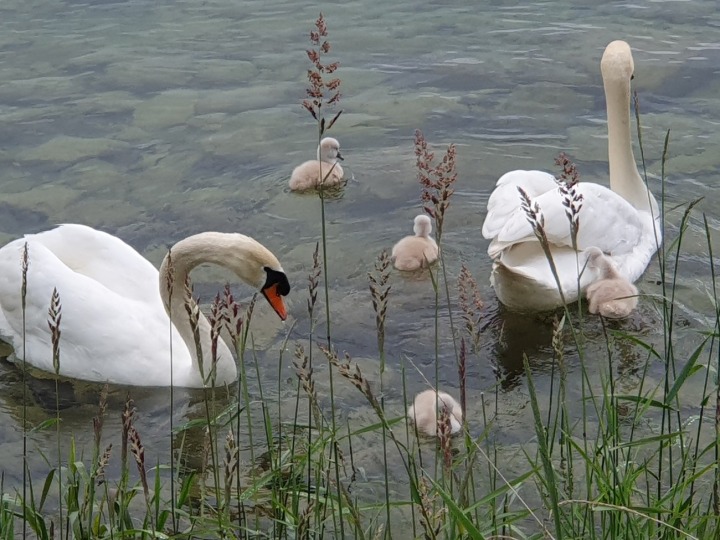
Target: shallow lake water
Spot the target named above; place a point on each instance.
(156, 120)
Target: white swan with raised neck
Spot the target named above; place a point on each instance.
(622, 221)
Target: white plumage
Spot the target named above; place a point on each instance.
(115, 326)
(623, 221)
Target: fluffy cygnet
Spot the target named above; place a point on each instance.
(611, 295)
(413, 252)
(306, 175)
(425, 409)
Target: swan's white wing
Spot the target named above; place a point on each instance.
(606, 220)
(504, 201)
(102, 257)
(96, 322)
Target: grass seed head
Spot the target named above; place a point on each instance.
(322, 91)
(379, 291)
(102, 464)
(471, 305)
(54, 318)
(314, 280)
(436, 180)
(571, 199)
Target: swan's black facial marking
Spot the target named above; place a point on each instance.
(276, 286)
(275, 277)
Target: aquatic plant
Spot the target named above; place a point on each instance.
(436, 179)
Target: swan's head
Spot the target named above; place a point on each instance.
(329, 150)
(276, 286)
(617, 62)
(422, 226)
(247, 258)
(257, 266)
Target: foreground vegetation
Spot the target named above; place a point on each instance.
(615, 465)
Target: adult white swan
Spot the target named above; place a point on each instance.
(115, 318)
(622, 221)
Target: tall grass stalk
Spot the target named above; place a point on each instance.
(313, 412)
(25, 262)
(54, 318)
(237, 325)
(207, 372)
(322, 94)
(437, 181)
(379, 291)
(170, 284)
(715, 336)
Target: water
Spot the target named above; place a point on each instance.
(156, 120)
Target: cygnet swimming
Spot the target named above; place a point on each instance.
(611, 295)
(307, 175)
(414, 252)
(424, 411)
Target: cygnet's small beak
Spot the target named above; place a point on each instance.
(273, 297)
(339, 156)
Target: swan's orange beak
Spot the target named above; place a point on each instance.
(276, 301)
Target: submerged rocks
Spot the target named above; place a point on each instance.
(69, 149)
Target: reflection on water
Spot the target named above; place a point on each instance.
(155, 120)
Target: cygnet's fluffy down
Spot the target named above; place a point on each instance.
(424, 412)
(611, 295)
(307, 175)
(414, 252)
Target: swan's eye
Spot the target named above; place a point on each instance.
(632, 76)
(275, 277)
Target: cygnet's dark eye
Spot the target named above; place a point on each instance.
(276, 277)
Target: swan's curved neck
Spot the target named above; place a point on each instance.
(624, 177)
(227, 250)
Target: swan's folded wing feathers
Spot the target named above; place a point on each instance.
(606, 221)
(504, 201)
(102, 257)
(91, 314)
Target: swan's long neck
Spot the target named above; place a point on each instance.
(224, 250)
(624, 177)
